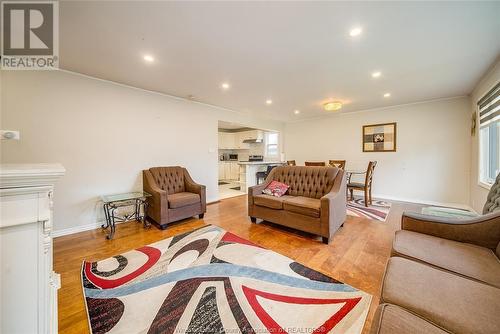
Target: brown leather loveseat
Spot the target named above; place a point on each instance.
(175, 195)
(314, 203)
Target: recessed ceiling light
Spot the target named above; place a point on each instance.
(332, 106)
(355, 32)
(149, 58)
(376, 74)
(269, 101)
(387, 95)
(296, 112)
(225, 86)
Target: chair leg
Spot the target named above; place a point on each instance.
(325, 240)
(253, 219)
(352, 193)
(370, 193)
(366, 197)
(201, 215)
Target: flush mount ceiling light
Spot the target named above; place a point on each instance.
(376, 74)
(296, 112)
(225, 86)
(269, 101)
(387, 95)
(355, 31)
(332, 106)
(149, 58)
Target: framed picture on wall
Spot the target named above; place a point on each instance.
(379, 137)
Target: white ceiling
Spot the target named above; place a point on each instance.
(299, 54)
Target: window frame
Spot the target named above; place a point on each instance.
(266, 144)
(480, 170)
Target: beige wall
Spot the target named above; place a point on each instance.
(430, 165)
(479, 192)
(105, 134)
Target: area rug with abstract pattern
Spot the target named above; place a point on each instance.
(212, 281)
(377, 210)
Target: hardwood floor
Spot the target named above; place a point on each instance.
(357, 255)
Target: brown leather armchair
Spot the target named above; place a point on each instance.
(175, 195)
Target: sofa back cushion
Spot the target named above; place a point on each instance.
(312, 182)
(170, 179)
(493, 200)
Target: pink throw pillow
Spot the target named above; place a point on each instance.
(276, 188)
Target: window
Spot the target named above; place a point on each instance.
(489, 136)
(272, 149)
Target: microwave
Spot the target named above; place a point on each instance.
(229, 157)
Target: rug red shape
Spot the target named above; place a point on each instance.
(273, 327)
(153, 255)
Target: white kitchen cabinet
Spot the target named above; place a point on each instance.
(28, 285)
(235, 171)
(227, 140)
(221, 170)
(227, 170)
(235, 140)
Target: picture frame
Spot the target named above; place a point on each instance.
(379, 137)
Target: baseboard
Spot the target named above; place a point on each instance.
(88, 227)
(79, 228)
(426, 202)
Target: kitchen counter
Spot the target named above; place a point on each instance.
(249, 169)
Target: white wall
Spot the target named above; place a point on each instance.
(105, 134)
(431, 164)
(479, 193)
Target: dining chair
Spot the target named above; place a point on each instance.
(337, 163)
(291, 163)
(315, 163)
(365, 187)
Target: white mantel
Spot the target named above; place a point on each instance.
(28, 285)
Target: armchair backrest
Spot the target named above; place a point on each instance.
(493, 200)
(170, 179)
(312, 182)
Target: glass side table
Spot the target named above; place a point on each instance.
(113, 202)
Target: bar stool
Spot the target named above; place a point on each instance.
(263, 175)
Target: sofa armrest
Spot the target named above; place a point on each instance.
(482, 231)
(196, 188)
(157, 203)
(333, 206)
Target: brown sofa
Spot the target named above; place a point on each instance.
(314, 203)
(443, 277)
(175, 195)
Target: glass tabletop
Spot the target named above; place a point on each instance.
(124, 197)
(355, 171)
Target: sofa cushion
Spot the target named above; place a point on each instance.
(304, 205)
(275, 188)
(392, 319)
(455, 303)
(179, 200)
(465, 259)
(270, 201)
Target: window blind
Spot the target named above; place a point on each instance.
(489, 106)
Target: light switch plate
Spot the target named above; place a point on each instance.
(9, 135)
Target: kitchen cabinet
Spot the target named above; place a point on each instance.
(221, 170)
(227, 140)
(229, 170)
(235, 140)
(235, 170)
